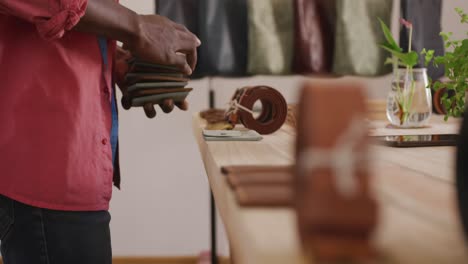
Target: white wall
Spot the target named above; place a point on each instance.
(163, 206)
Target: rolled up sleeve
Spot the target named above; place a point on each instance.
(51, 17)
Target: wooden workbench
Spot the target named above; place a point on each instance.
(415, 188)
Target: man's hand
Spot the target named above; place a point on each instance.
(151, 38)
(121, 69)
(164, 42)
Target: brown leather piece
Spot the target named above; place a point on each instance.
(258, 175)
(146, 81)
(333, 226)
(261, 185)
(152, 91)
(264, 195)
(274, 109)
(291, 119)
(311, 50)
(213, 116)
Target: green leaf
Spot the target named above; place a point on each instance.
(409, 59)
(388, 61)
(428, 56)
(388, 36)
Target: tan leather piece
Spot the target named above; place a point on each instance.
(264, 195)
(258, 175)
(261, 185)
(330, 222)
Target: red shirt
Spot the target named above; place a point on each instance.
(55, 112)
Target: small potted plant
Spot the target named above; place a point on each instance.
(455, 61)
(409, 103)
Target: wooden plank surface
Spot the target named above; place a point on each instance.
(415, 189)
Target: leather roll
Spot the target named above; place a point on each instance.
(462, 175)
(426, 30)
(223, 32)
(335, 210)
(311, 52)
(271, 31)
(273, 114)
(358, 36)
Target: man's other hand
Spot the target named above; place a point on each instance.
(159, 40)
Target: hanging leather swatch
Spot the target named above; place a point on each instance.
(311, 51)
(271, 27)
(462, 175)
(358, 36)
(184, 12)
(223, 32)
(425, 15)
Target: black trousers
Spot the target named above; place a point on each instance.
(31, 235)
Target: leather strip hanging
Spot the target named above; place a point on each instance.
(462, 175)
(358, 36)
(426, 30)
(335, 211)
(223, 32)
(270, 37)
(272, 116)
(311, 51)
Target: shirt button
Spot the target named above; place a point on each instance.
(104, 141)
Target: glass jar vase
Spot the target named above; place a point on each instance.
(409, 103)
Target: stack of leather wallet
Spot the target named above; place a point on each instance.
(149, 84)
(267, 186)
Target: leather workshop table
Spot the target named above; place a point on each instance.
(415, 189)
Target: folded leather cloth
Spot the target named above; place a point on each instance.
(261, 185)
(358, 36)
(311, 51)
(335, 210)
(272, 116)
(271, 31)
(223, 32)
(148, 84)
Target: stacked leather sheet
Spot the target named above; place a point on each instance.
(150, 84)
(261, 185)
(335, 210)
